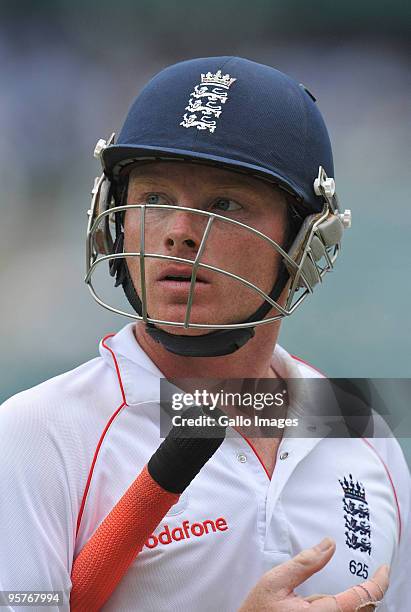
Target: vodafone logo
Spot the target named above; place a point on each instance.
(186, 531)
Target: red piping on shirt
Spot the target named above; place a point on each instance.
(376, 452)
(100, 442)
(392, 485)
(309, 365)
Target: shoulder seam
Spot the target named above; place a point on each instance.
(387, 471)
(93, 463)
(309, 365)
(100, 442)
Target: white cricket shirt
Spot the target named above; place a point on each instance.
(71, 446)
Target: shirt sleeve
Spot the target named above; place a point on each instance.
(37, 518)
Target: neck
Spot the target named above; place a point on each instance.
(253, 360)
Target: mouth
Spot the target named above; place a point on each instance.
(180, 275)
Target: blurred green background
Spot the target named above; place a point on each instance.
(69, 72)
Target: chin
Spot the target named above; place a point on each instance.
(197, 318)
(199, 315)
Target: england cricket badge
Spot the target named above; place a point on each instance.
(205, 103)
(356, 515)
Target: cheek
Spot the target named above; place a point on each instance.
(132, 228)
(274, 225)
(244, 253)
(132, 244)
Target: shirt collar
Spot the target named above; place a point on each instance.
(140, 376)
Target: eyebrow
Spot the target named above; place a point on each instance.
(147, 177)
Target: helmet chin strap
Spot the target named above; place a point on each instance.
(212, 344)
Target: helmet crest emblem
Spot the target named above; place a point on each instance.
(205, 103)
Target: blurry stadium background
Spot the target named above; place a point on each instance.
(69, 72)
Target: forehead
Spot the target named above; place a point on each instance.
(197, 175)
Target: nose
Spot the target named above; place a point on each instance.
(183, 232)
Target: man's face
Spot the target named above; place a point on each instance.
(218, 299)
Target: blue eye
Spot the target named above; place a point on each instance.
(226, 205)
(153, 198)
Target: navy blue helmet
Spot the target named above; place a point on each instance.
(234, 112)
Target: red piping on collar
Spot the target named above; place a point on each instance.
(103, 342)
(251, 445)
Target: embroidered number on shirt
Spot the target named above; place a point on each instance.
(359, 569)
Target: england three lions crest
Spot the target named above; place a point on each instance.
(205, 103)
(356, 515)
